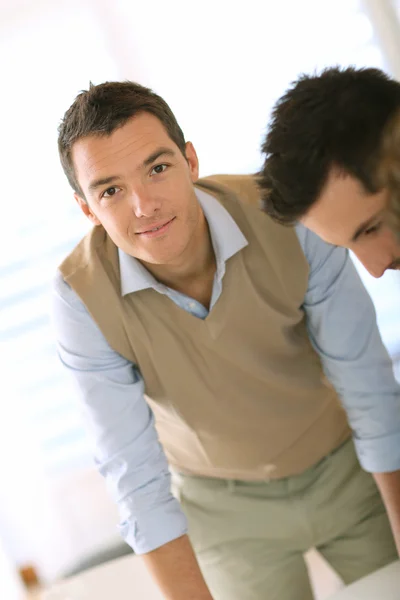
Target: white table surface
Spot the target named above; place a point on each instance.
(127, 579)
(123, 579)
(381, 585)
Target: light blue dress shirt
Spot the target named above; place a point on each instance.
(342, 327)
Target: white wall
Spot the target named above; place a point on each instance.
(11, 586)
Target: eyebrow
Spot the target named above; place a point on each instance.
(103, 181)
(148, 161)
(364, 226)
(156, 154)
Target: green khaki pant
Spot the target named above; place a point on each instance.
(250, 537)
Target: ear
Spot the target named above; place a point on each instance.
(193, 161)
(85, 208)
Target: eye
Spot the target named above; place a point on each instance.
(158, 169)
(373, 229)
(111, 191)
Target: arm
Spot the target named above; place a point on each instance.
(342, 327)
(127, 449)
(174, 567)
(389, 487)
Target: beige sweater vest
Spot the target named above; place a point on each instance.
(241, 394)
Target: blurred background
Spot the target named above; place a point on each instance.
(220, 65)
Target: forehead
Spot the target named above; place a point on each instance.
(132, 143)
(342, 207)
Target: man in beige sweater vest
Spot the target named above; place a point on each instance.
(208, 341)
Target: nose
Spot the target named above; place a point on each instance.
(376, 272)
(143, 203)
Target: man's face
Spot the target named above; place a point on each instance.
(346, 215)
(139, 186)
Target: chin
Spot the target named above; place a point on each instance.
(156, 259)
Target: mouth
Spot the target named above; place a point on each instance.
(157, 230)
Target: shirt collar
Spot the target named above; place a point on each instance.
(226, 238)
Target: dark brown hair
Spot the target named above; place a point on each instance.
(104, 108)
(335, 119)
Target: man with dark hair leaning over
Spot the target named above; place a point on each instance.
(330, 164)
(208, 339)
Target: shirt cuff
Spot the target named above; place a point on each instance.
(379, 455)
(155, 528)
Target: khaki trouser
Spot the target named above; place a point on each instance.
(250, 537)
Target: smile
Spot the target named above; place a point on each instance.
(157, 230)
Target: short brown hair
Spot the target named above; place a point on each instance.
(389, 170)
(104, 108)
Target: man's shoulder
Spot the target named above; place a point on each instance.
(81, 254)
(65, 301)
(231, 180)
(243, 187)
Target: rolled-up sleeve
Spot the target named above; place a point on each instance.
(121, 425)
(342, 326)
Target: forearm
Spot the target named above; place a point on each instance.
(389, 487)
(175, 569)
